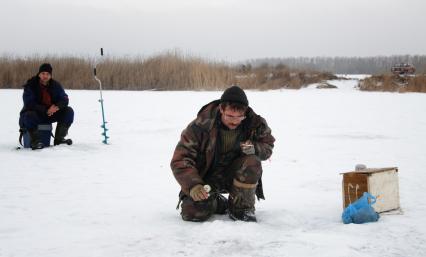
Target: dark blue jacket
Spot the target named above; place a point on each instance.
(33, 99)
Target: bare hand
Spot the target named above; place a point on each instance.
(52, 109)
(198, 193)
(247, 148)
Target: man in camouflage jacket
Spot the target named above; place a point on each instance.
(223, 148)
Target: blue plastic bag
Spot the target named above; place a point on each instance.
(360, 211)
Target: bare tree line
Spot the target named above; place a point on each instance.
(345, 65)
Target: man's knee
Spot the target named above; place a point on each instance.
(250, 170)
(67, 116)
(196, 211)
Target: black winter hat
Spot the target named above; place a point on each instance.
(45, 67)
(234, 94)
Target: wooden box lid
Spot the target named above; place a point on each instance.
(370, 171)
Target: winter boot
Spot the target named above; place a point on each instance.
(35, 139)
(60, 133)
(241, 201)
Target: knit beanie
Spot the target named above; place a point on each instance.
(234, 94)
(45, 67)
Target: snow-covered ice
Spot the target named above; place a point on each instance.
(115, 200)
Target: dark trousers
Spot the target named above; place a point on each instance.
(31, 119)
(246, 169)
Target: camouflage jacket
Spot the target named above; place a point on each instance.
(195, 152)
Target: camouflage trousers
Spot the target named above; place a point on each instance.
(246, 169)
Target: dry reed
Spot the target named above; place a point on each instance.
(168, 71)
(394, 83)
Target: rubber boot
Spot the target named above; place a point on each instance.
(60, 133)
(221, 205)
(241, 201)
(35, 139)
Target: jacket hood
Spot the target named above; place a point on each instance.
(32, 80)
(208, 115)
(35, 81)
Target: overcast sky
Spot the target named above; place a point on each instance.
(230, 30)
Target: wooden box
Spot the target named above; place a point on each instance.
(381, 183)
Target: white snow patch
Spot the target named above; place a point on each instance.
(91, 199)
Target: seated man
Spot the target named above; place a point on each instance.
(45, 101)
(223, 148)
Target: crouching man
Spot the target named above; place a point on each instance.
(223, 148)
(45, 101)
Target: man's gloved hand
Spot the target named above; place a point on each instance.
(198, 193)
(247, 148)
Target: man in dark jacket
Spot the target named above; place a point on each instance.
(222, 148)
(45, 101)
